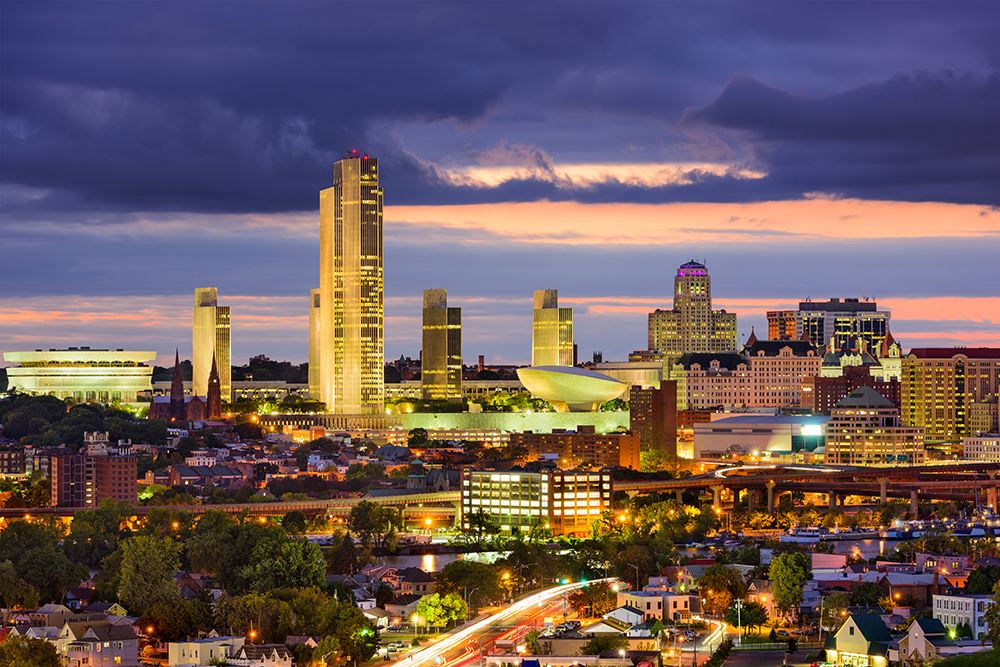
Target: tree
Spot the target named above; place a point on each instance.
(148, 564)
(751, 615)
(436, 609)
(719, 586)
(834, 608)
(15, 592)
(866, 594)
(417, 438)
(481, 581)
(23, 651)
(376, 525)
(602, 643)
(342, 556)
(51, 573)
(789, 574)
(992, 616)
(596, 598)
(294, 522)
(173, 621)
(982, 580)
(289, 563)
(481, 527)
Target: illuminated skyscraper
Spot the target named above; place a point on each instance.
(822, 320)
(351, 320)
(211, 339)
(441, 359)
(692, 325)
(315, 342)
(552, 334)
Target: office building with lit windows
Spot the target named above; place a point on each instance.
(211, 338)
(939, 385)
(99, 470)
(315, 343)
(865, 430)
(567, 502)
(83, 374)
(441, 356)
(552, 331)
(351, 288)
(691, 325)
(822, 320)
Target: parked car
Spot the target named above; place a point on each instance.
(783, 633)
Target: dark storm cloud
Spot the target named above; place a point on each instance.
(243, 107)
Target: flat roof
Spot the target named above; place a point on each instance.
(78, 355)
(766, 419)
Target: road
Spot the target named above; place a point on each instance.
(462, 648)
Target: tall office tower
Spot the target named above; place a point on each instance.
(692, 325)
(441, 358)
(351, 316)
(940, 385)
(821, 321)
(865, 430)
(552, 334)
(315, 343)
(653, 415)
(211, 339)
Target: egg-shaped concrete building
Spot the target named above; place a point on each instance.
(570, 389)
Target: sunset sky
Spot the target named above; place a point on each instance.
(800, 150)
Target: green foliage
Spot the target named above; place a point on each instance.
(366, 471)
(602, 643)
(866, 594)
(417, 437)
(343, 556)
(982, 580)
(15, 592)
(481, 528)
(833, 608)
(595, 599)
(173, 621)
(148, 564)
(22, 651)
(752, 615)
(437, 610)
(980, 659)
(789, 574)
(719, 586)
(294, 522)
(992, 617)
(482, 582)
(376, 525)
(288, 563)
(50, 572)
(720, 655)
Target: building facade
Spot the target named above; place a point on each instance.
(955, 610)
(706, 380)
(653, 416)
(441, 355)
(315, 344)
(83, 374)
(822, 320)
(984, 416)
(865, 430)
(211, 339)
(552, 331)
(940, 385)
(982, 447)
(785, 437)
(691, 325)
(100, 470)
(351, 288)
(820, 394)
(778, 368)
(565, 501)
(585, 447)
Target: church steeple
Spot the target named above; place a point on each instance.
(214, 392)
(752, 339)
(177, 411)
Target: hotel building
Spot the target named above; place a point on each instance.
(211, 338)
(692, 325)
(83, 374)
(351, 288)
(585, 447)
(984, 447)
(552, 331)
(441, 357)
(565, 501)
(99, 470)
(940, 385)
(653, 416)
(865, 430)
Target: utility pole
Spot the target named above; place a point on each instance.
(637, 587)
(739, 622)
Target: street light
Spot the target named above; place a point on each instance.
(622, 653)
(636, 568)
(739, 622)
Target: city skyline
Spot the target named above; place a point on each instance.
(816, 151)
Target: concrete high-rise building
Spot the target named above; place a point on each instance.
(941, 384)
(692, 325)
(822, 320)
(211, 339)
(653, 415)
(315, 344)
(351, 288)
(552, 333)
(865, 430)
(441, 358)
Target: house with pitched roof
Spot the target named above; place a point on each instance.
(863, 639)
(202, 651)
(926, 639)
(98, 643)
(262, 655)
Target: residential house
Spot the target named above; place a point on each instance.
(609, 626)
(925, 641)
(861, 640)
(759, 590)
(415, 580)
(202, 651)
(958, 609)
(944, 563)
(627, 615)
(79, 597)
(86, 644)
(50, 614)
(107, 608)
(262, 655)
(403, 606)
(650, 604)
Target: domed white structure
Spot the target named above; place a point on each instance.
(570, 389)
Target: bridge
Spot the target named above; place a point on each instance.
(961, 482)
(413, 505)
